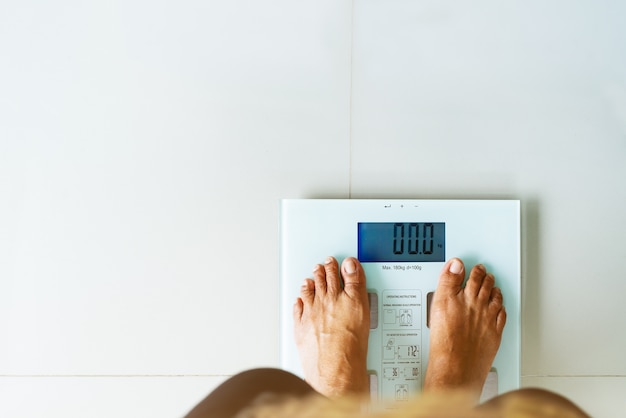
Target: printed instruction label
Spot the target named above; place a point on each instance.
(402, 344)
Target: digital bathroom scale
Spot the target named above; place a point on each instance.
(403, 245)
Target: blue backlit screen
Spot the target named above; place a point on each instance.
(380, 242)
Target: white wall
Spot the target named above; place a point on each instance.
(144, 147)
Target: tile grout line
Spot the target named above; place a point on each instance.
(350, 102)
(575, 375)
(109, 375)
(228, 375)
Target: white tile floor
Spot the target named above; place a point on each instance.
(102, 396)
(144, 147)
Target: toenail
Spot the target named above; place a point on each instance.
(349, 266)
(482, 267)
(329, 260)
(456, 267)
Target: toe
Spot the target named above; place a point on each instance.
(307, 291)
(298, 310)
(451, 278)
(353, 277)
(497, 309)
(495, 297)
(501, 320)
(475, 280)
(319, 277)
(333, 280)
(484, 294)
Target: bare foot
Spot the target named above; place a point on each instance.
(332, 325)
(466, 329)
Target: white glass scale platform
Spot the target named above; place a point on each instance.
(403, 245)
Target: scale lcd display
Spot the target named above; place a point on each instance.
(380, 242)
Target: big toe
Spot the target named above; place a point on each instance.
(451, 277)
(353, 276)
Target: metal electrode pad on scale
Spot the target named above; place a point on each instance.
(402, 246)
